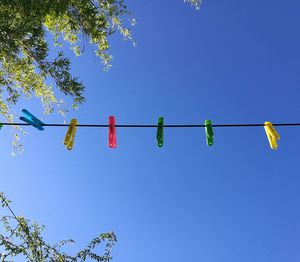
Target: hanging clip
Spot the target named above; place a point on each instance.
(32, 120)
(1, 125)
(272, 135)
(209, 133)
(160, 132)
(70, 135)
(112, 136)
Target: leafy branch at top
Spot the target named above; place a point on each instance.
(24, 50)
(25, 65)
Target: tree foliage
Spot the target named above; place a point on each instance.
(23, 238)
(195, 3)
(26, 68)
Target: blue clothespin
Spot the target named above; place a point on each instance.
(32, 120)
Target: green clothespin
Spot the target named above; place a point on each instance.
(209, 133)
(1, 125)
(160, 132)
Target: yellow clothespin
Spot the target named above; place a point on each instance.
(70, 136)
(272, 135)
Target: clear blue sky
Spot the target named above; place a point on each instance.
(234, 61)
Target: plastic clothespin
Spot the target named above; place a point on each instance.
(272, 135)
(160, 131)
(112, 136)
(70, 135)
(209, 133)
(1, 125)
(32, 120)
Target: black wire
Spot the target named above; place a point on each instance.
(150, 126)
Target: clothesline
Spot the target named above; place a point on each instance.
(30, 119)
(154, 126)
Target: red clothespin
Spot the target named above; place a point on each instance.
(112, 137)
